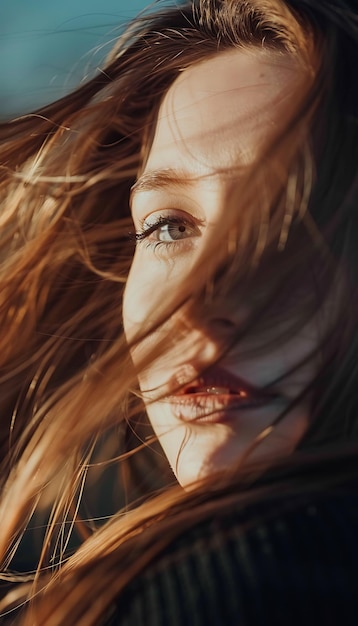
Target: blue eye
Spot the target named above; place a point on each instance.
(168, 230)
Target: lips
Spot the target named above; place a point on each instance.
(215, 395)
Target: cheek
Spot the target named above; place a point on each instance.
(138, 297)
(151, 285)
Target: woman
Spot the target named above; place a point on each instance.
(230, 129)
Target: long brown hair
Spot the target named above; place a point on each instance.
(67, 382)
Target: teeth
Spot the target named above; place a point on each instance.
(217, 390)
(213, 390)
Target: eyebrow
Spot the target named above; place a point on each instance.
(161, 178)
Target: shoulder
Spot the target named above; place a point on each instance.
(288, 561)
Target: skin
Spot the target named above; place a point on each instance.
(214, 117)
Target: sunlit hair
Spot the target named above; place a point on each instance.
(69, 397)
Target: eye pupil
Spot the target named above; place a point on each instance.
(182, 229)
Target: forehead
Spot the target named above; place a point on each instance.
(218, 111)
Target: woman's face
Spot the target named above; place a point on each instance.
(212, 119)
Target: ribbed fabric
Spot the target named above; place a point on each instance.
(279, 564)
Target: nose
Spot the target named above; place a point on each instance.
(220, 331)
(209, 335)
(223, 317)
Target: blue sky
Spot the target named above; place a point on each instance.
(49, 46)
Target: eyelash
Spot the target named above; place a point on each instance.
(169, 221)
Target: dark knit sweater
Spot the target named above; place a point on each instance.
(291, 562)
